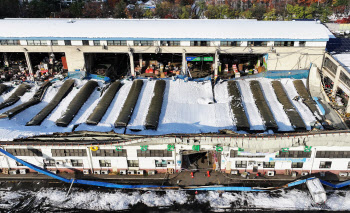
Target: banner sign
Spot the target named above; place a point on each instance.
(191, 58)
(287, 159)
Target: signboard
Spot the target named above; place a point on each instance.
(208, 59)
(287, 159)
(191, 58)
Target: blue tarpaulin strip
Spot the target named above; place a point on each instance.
(319, 106)
(336, 186)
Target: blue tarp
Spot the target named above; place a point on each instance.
(323, 112)
(296, 74)
(98, 77)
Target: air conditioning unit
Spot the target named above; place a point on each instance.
(343, 174)
(23, 171)
(59, 162)
(151, 172)
(97, 172)
(271, 173)
(105, 172)
(304, 173)
(139, 172)
(131, 172)
(86, 171)
(234, 172)
(122, 172)
(260, 164)
(294, 174)
(13, 172)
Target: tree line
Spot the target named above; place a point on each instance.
(178, 9)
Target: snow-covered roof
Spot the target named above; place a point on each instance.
(343, 59)
(155, 29)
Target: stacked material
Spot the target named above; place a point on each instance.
(103, 105)
(155, 107)
(293, 115)
(23, 88)
(237, 107)
(129, 105)
(263, 107)
(62, 92)
(304, 94)
(38, 96)
(77, 103)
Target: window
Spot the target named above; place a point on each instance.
(257, 43)
(67, 42)
(105, 163)
(86, 42)
(116, 43)
(241, 164)
(332, 154)
(302, 43)
(97, 43)
(154, 153)
(25, 152)
(297, 165)
(133, 163)
(9, 42)
(68, 152)
(143, 43)
(230, 43)
(200, 43)
(284, 43)
(36, 42)
(77, 163)
(325, 164)
(170, 43)
(50, 162)
(269, 164)
(294, 154)
(54, 42)
(330, 65)
(19, 164)
(162, 163)
(110, 153)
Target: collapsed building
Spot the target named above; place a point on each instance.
(276, 121)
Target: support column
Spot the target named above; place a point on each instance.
(29, 65)
(132, 66)
(140, 60)
(336, 81)
(347, 110)
(216, 64)
(184, 62)
(6, 60)
(75, 60)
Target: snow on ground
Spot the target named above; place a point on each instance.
(253, 114)
(93, 200)
(188, 107)
(276, 107)
(139, 115)
(303, 110)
